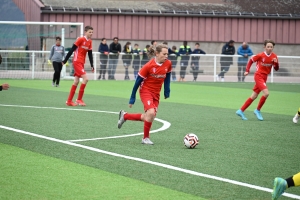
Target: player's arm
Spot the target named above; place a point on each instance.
(137, 84)
(90, 53)
(250, 62)
(74, 47)
(167, 85)
(276, 64)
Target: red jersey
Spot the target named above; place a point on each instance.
(264, 63)
(83, 45)
(154, 75)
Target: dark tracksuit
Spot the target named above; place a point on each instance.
(173, 58)
(226, 61)
(196, 62)
(145, 58)
(56, 56)
(184, 52)
(127, 59)
(113, 59)
(103, 59)
(136, 62)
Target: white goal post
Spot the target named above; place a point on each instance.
(80, 24)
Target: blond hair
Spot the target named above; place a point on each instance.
(155, 49)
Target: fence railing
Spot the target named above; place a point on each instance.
(33, 65)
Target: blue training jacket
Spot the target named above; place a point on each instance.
(241, 51)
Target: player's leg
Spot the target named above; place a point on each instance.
(148, 118)
(280, 185)
(261, 84)
(70, 102)
(247, 103)
(58, 74)
(85, 80)
(296, 117)
(55, 67)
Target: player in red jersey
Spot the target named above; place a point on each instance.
(82, 46)
(150, 79)
(264, 63)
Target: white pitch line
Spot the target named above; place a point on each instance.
(187, 171)
(165, 126)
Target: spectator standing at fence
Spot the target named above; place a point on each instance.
(116, 49)
(264, 63)
(195, 65)
(81, 46)
(154, 43)
(145, 58)
(173, 56)
(136, 60)
(227, 49)
(104, 51)
(184, 52)
(56, 56)
(245, 51)
(127, 58)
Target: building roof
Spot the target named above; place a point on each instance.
(279, 7)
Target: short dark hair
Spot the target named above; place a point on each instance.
(197, 43)
(165, 42)
(58, 38)
(231, 41)
(174, 47)
(136, 45)
(269, 41)
(103, 39)
(88, 28)
(147, 46)
(152, 42)
(115, 38)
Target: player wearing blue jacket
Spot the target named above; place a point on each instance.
(245, 51)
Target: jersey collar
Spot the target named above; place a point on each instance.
(267, 54)
(159, 64)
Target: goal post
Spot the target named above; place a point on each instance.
(35, 36)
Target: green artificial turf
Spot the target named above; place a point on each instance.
(252, 151)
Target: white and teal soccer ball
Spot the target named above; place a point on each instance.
(190, 140)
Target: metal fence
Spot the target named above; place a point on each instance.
(33, 65)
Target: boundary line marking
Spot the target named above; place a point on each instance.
(165, 126)
(149, 162)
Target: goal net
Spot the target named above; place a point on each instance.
(25, 47)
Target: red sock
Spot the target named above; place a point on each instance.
(133, 116)
(81, 91)
(72, 92)
(261, 102)
(246, 104)
(147, 126)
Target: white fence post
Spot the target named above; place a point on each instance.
(32, 64)
(215, 68)
(95, 66)
(63, 71)
(272, 77)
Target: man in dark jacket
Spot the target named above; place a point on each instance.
(173, 56)
(228, 49)
(115, 48)
(195, 65)
(184, 52)
(104, 50)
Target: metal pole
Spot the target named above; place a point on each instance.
(215, 68)
(95, 65)
(272, 75)
(63, 74)
(32, 64)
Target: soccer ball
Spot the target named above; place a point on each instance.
(190, 140)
